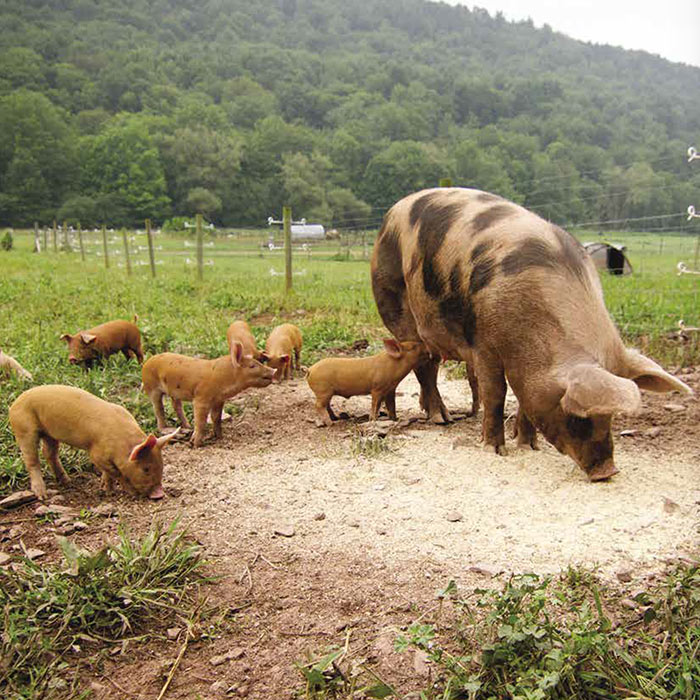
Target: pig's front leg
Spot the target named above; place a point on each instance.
(492, 385)
(201, 411)
(430, 399)
(215, 415)
(106, 483)
(390, 403)
(177, 407)
(525, 431)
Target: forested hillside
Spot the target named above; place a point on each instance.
(116, 110)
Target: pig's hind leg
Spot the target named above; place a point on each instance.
(430, 400)
(156, 396)
(177, 407)
(201, 411)
(50, 449)
(215, 415)
(390, 403)
(29, 446)
(324, 412)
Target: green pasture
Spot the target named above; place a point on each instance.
(43, 295)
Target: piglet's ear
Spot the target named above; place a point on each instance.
(646, 374)
(165, 439)
(88, 338)
(593, 391)
(393, 348)
(236, 353)
(67, 337)
(143, 448)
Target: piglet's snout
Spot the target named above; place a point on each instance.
(157, 493)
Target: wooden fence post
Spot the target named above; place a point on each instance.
(200, 247)
(46, 236)
(287, 226)
(37, 242)
(80, 241)
(66, 243)
(55, 238)
(104, 246)
(151, 255)
(126, 252)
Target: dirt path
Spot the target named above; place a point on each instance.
(318, 541)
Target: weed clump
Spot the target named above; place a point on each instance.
(91, 599)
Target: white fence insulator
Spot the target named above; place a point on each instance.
(683, 269)
(693, 154)
(692, 214)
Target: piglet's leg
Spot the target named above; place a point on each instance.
(50, 448)
(177, 407)
(201, 410)
(376, 405)
(156, 396)
(28, 446)
(492, 386)
(215, 416)
(390, 402)
(297, 363)
(324, 413)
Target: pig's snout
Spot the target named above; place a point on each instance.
(73, 360)
(602, 471)
(157, 493)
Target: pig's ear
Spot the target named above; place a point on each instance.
(162, 441)
(393, 348)
(143, 448)
(236, 353)
(88, 338)
(285, 359)
(593, 391)
(646, 374)
(67, 337)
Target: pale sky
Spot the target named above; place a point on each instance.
(669, 28)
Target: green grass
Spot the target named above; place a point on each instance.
(540, 638)
(131, 589)
(45, 295)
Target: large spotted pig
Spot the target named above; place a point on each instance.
(481, 279)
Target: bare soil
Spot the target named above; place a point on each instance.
(319, 544)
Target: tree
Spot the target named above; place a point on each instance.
(202, 201)
(38, 158)
(124, 161)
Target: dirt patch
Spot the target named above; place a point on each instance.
(319, 544)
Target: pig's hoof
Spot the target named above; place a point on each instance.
(528, 444)
(40, 492)
(497, 449)
(603, 471)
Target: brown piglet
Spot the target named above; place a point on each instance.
(122, 452)
(10, 366)
(207, 383)
(104, 340)
(282, 342)
(378, 375)
(240, 331)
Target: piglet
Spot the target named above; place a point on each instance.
(104, 340)
(8, 366)
(378, 375)
(122, 452)
(207, 383)
(282, 342)
(239, 331)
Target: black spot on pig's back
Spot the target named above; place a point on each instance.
(388, 284)
(434, 215)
